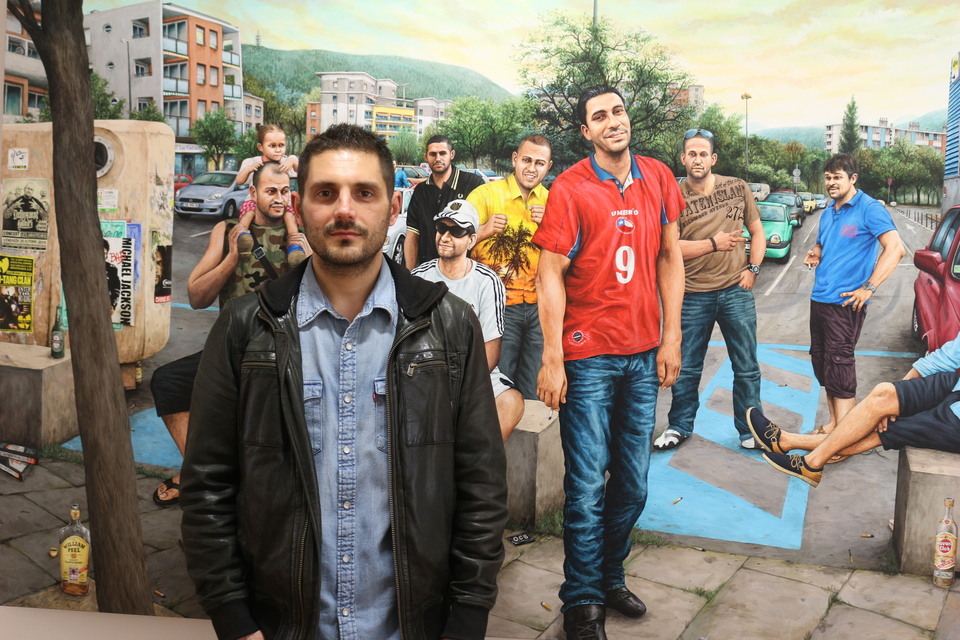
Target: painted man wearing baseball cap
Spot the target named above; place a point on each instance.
(477, 284)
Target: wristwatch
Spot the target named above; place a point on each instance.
(872, 288)
(754, 269)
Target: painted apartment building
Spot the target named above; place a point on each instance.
(882, 135)
(356, 97)
(249, 113)
(185, 61)
(24, 79)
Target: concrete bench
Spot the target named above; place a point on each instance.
(22, 622)
(534, 465)
(924, 478)
(38, 405)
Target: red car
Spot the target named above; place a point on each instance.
(936, 307)
(181, 180)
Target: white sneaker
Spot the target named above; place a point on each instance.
(749, 443)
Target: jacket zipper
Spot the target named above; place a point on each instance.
(390, 456)
(413, 366)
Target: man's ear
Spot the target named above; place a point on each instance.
(853, 178)
(396, 203)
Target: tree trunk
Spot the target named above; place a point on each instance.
(117, 541)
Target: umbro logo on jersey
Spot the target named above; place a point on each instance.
(625, 226)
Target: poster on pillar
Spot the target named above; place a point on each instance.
(119, 257)
(26, 213)
(16, 293)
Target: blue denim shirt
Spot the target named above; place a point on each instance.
(944, 359)
(344, 385)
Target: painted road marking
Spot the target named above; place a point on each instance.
(783, 272)
(708, 511)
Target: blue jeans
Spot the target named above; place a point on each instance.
(734, 310)
(605, 426)
(521, 348)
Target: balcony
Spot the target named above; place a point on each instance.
(180, 126)
(231, 58)
(175, 86)
(232, 92)
(174, 47)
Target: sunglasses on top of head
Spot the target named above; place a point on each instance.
(697, 132)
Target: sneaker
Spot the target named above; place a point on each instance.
(669, 439)
(749, 443)
(766, 433)
(794, 465)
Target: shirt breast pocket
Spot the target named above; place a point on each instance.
(313, 412)
(427, 401)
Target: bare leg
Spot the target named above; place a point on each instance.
(245, 240)
(857, 424)
(295, 253)
(176, 424)
(809, 442)
(509, 411)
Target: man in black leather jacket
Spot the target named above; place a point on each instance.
(253, 473)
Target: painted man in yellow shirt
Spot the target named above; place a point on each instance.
(510, 212)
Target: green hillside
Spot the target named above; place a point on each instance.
(291, 74)
(808, 136)
(933, 121)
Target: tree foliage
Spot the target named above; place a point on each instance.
(106, 105)
(850, 129)
(405, 147)
(150, 112)
(487, 129)
(282, 106)
(568, 55)
(245, 146)
(215, 134)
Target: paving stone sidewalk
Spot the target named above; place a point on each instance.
(691, 594)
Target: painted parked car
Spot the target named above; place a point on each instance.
(393, 245)
(822, 200)
(214, 193)
(778, 228)
(181, 180)
(793, 202)
(809, 202)
(936, 307)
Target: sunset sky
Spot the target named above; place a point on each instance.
(800, 60)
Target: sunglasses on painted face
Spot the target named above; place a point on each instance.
(454, 230)
(697, 132)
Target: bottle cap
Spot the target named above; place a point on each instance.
(948, 502)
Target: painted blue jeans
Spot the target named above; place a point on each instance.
(605, 426)
(733, 309)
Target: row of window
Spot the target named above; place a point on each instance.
(181, 71)
(178, 31)
(13, 100)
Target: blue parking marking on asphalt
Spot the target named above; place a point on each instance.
(152, 443)
(707, 511)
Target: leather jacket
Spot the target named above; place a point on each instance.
(251, 515)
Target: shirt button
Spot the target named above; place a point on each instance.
(345, 611)
(347, 398)
(346, 558)
(346, 505)
(349, 346)
(346, 449)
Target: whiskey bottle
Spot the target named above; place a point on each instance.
(74, 555)
(945, 548)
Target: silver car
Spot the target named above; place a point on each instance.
(397, 233)
(214, 193)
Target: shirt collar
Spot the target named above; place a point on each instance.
(312, 302)
(513, 189)
(602, 173)
(851, 203)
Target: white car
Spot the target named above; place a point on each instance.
(486, 174)
(393, 246)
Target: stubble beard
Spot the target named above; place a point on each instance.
(352, 261)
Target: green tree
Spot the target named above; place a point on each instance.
(466, 126)
(484, 128)
(405, 147)
(215, 135)
(150, 112)
(568, 55)
(245, 146)
(106, 105)
(850, 129)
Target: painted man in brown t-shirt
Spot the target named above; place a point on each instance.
(719, 287)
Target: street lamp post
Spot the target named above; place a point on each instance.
(129, 80)
(746, 108)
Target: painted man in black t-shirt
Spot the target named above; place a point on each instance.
(446, 183)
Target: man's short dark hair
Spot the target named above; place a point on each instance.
(537, 139)
(841, 162)
(438, 139)
(352, 138)
(590, 94)
(271, 166)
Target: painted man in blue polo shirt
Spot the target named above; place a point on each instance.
(854, 229)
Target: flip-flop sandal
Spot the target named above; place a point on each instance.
(170, 486)
(669, 439)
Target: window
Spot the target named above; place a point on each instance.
(36, 100)
(248, 126)
(32, 51)
(111, 66)
(107, 28)
(334, 112)
(86, 36)
(201, 73)
(334, 84)
(352, 99)
(256, 112)
(214, 39)
(313, 129)
(201, 108)
(12, 99)
(214, 105)
(313, 114)
(200, 35)
(141, 68)
(141, 28)
(143, 103)
(334, 98)
(352, 85)
(248, 109)
(214, 76)
(17, 46)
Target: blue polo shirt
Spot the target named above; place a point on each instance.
(849, 237)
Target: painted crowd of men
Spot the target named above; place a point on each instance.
(344, 474)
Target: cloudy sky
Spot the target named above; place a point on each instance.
(800, 60)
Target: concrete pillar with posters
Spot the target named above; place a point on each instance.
(134, 162)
